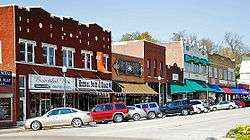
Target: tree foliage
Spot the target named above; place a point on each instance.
(137, 36)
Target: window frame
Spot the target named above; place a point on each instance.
(48, 46)
(26, 42)
(149, 67)
(155, 68)
(86, 59)
(67, 49)
(24, 87)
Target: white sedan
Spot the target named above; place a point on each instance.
(223, 105)
(59, 117)
(136, 113)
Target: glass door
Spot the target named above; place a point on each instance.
(44, 106)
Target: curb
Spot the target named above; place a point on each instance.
(11, 130)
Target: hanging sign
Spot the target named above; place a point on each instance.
(93, 84)
(5, 78)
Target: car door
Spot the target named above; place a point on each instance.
(222, 105)
(51, 118)
(108, 111)
(97, 112)
(66, 116)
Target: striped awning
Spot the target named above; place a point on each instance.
(227, 90)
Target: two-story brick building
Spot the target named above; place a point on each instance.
(222, 78)
(36, 46)
(145, 67)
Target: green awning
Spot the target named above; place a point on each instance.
(198, 86)
(188, 58)
(196, 59)
(204, 61)
(176, 88)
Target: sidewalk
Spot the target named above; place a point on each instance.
(11, 130)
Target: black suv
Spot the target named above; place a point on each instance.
(183, 107)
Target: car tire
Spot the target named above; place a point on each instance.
(206, 110)
(136, 117)
(160, 115)
(118, 118)
(151, 115)
(76, 122)
(184, 112)
(198, 111)
(36, 125)
(231, 107)
(214, 109)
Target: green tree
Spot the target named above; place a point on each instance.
(137, 36)
(211, 47)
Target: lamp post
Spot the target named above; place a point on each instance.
(64, 70)
(207, 89)
(159, 79)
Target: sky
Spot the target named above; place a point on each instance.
(205, 18)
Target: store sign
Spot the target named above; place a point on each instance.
(5, 109)
(93, 84)
(223, 82)
(50, 82)
(231, 83)
(128, 67)
(5, 78)
(175, 77)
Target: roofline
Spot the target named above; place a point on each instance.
(143, 40)
(7, 5)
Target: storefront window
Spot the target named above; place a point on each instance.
(5, 109)
(215, 73)
(210, 71)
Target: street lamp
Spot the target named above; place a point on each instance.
(207, 89)
(64, 70)
(159, 79)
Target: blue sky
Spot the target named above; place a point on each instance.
(206, 18)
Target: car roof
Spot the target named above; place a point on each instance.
(146, 103)
(110, 103)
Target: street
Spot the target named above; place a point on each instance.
(198, 126)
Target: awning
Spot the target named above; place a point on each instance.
(199, 86)
(236, 90)
(217, 89)
(137, 89)
(239, 91)
(176, 88)
(227, 90)
(188, 58)
(243, 91)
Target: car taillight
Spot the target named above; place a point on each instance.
(89, 114)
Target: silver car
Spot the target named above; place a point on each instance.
(223, 105)
(136, 113)
(59, 117)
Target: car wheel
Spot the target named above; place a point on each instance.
(184, 112)
(206, 110)
(198, 111)
(118, 118)
(160, 115)
(36, 125)
(136, 117)
(214, 108)
(76, 122)
(231, 107)
(151, 115)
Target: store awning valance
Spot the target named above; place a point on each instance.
(176, 88)
(204, 61)
(227, 90)
(188, 58)
(198, 86)
(239, 91)
(138, 89)
(243, 91)
(217, 88)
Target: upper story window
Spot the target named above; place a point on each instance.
(161, 69)
(233, 76)
(225, 75)
(49, 54)
(210, 71)
(155, 68)
(148, 67)
(68, 56)
(215, 73)
(27, 50)
(105, 61)
(1, 60)
(87, 59)
(221, 73)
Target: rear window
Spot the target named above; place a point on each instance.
(120, 106)
(145, 106)
(152, 105)
(195, 102)
(131, 108)
(139, 106)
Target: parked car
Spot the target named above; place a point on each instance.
(223, 105)
(239, 103)
(183, 107)
(152, 109)
(115, 111)
(136, 113)
(198, 106)
(246, 101)
(59, 117)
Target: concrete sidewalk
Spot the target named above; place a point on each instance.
(11, 130)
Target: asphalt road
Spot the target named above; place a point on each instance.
(193, 127)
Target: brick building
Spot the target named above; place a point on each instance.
(222, 78)
(151, 58)
(36, 45)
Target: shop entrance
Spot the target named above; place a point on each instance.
(45, 105)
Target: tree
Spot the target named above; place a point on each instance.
(178, 35)
(137, 36)
(211, 47)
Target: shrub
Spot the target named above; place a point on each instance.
(240, 133)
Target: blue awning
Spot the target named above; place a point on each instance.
(217, 89)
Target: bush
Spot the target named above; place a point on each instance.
(240, 133)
